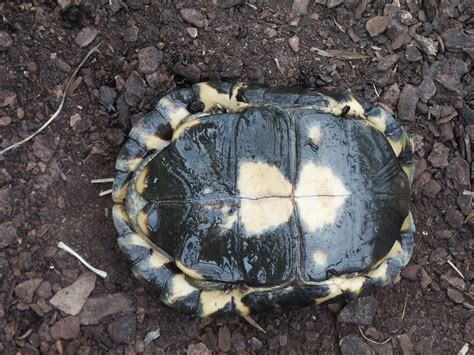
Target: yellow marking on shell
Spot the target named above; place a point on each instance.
(157, 260)
(137, 240)
(213, 301)
(182, 128)
(260, 179)
(319, 196)
(190, 272)
(408, 224)
(409, 170)
(134, 163)
(175, 111)
(264, 214)
(336, 107)
(315, 135)
(119, 194)
(397, 146)
(142, 221)
(211, 98)
(180, 288)
(379, 122)
(153, 142)
(320, 257)
(142, 180)
(118, 211)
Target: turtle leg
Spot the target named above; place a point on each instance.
(155, 131)
(396, 136)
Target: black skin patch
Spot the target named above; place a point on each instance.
(164, 131)
(345, 110)
(195, 106)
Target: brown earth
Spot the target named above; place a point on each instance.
(419, 63)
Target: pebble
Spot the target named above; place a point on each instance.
(449, 82)
(458, 170)
(439, 156)
(107, 96)
(136, 4)
(355, 345)
(198, 349)
(194, 17)
(44, 290)
(387, 62)
(7, 98)
(66, 328)
(238, 341)
(5, 121)
(407, 18)
(360, 311)
(149, 59)
(431, 188)
(134, 89)
(456, 39)
(123, 329)
(71, 299)
(412, 54)
(333, 3)
(192, 32)
(294, 43)
(411, 272)
(102, 306)
(300, 7)
(455, 295)
(255, 343)
(26, 289)
(223, 339)
(407, 103)
(41, 148)
(8, 235)
(428, 45)
(74, 119)
(5, 40)
(405, 344)
(425, 279)
(190, 71)
(376, 25)
(131, 34)
(86, 36)
(391, 96)
(426, 89)
(469, 330)
(454, 218)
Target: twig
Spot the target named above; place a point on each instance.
(101, 273)
(254, 323)
(371, 340)
(56, 114)
(106, 192)
(405, 306)
(456, 269)
(464, 350)
(100, 181)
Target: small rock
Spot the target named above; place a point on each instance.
(427, 89)
(300, 7)
(131, 34)
(192, 33)
(134, 89)
(412, 54)
(5, 200)
(86, 36)
(454, 218)
(25, 290)
(5, 121)
(411, 272)
(428, 45)
(391, 96)
(406, 346)
(387, 62)
(64, 4)
(102, 306)
(458, 170)
(333, 3)
(8, 235)
(74, 119)
(223, 339)
(71, 298)
(238, 341)
(439, 155)
(455, 295)
(360, 311)
(149, 59)
(198, 349)
(454, 281)
(355, 345)
(407, 18)
(294, 43)
(5, 40)
(136, 4)
(255, 343)
(190, 71)
(41, 149)
(455, 39)
(469, 330)
(431, 188)
(44, 290)
(449, 83)
(407, 103)
(376, 25)
(65, 328)
(123, 329)
(107, 96)
(194, 17)
(425, 279)
(7, 98)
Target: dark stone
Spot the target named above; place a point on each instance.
(41, 148)
(469, 330)
(300, 7)
(439, 156)
(134, 89)
(387, 62)
(431, 188)
(411, 272)
(454, 38)
(427, 89)
(149, 59)
(102, 306)
(454, 218)
(65, 328)
(194, 17)
(136, 4)
(198, 349)
(407, 103)
(455, 295)
(8, 234)
(406, 346)
(360, 311)
(412, 53)
(223, 339)
(355, 345)
(25, 290)
(190, 71)
(458, 170)
(123, 329)
(5, 41)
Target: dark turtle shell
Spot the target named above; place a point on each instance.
(264, 199)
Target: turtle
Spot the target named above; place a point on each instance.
(243, 199)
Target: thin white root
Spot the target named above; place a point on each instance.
(254, 323)
(100, 181)
(375, 89)
(101, 273)
(371, 340)
(405, 306)
(151, 335)
(456, 269)
(464, 350)
(106, 192)
(61, 104)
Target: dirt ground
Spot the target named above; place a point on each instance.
(418, 63)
